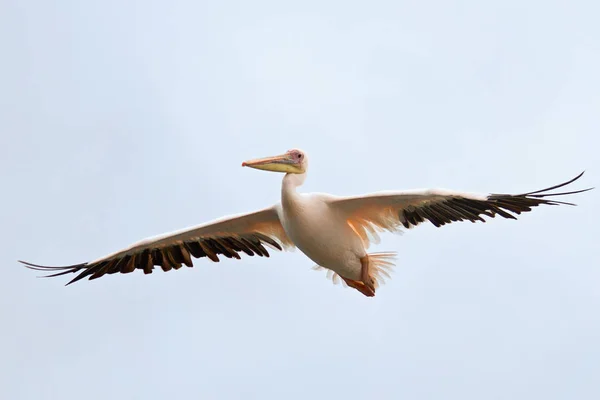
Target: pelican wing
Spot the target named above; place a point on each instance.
(391, 211)
(247, 233)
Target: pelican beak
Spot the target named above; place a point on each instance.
(282, 163)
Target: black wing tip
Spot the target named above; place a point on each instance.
(58, 270)
(48, 267)
(544, 192)
(559, 186)
(31, 265)
(78, 277)
(543, 196)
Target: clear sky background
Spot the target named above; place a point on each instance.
(122, 120)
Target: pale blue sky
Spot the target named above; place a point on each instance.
(122, 120)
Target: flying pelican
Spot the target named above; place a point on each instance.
(333, 231)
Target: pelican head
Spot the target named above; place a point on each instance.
(292, 162)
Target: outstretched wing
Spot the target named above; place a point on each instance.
(247, 233)
(390, 211)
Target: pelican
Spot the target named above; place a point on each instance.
(333, 231)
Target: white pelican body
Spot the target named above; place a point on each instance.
(321, 233)
(335, 232)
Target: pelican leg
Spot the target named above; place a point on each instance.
(361, 287)
(366, 285)
(365, 276)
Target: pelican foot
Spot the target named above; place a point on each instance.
(361, 287)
